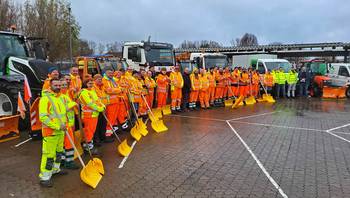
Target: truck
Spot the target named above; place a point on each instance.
(16, 64)
(246, 60)
(208, 60)
(340, 75)
(146, 54)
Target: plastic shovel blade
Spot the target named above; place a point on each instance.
(97, 164)
(124, 149)
(260, 100)
(77, 143)
(152, 117)
(228, 103)
(238, 102)
(159, 126)
(270, 99)
(135, 133)
(166, 110)
(90, 175)
(143, 131)
(140, 123)
(157, 113)
(250, 100)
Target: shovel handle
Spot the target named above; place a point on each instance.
(82, 131)
(263, 87)
(132, 105)
(75, 148)
(127, 111)
(110, 125)
(144, 99)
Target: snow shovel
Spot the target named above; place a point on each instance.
(89, 174)
(250, 100)
(94, 161)
(157, 113)
(267, 97)
(166, 110)
(157, 125)
(229, 102)
(136, 130)
(139, 130)
(123, 148)
(238, 102)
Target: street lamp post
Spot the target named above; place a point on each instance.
(70, 35)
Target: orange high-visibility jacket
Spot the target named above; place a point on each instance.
(255, 78)
(220, 78)
(76, 84)
(244, 78)
(269, 80)
(212, 82)
(227, 77)
(91, 104)
(204, 81)
(235, 76)
(102, 95)
(176, 80)
(111, 88)
(162, 83)
(195, 82)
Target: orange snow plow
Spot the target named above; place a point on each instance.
(9, 128)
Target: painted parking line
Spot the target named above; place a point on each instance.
(25, 141)
(199, 118)
(261, 166)
(278, 126)
(121, 165)
(339, 127)
(337, 136)
(252, 116)
(341, 132)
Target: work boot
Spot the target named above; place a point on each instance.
(60, 173)
(94, 151)
(71, 165)
(109, 139)
(46, 183)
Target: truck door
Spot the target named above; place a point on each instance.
(261, 68)
(133, 57)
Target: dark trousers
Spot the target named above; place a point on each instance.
(99, 135)
(303, 87)
(185, 99)
(281, 90)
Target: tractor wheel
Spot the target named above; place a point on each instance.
(8, 102)
(347, 92)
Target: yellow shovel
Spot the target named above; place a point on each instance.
(123, 148)
(250, 100)
(166, 110)
(267, 97)
(140, 127)
(157, 113)
(77, 143)
(89, 174)
(229, 102)
(157, 125)
(238, 102)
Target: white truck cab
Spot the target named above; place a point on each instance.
(263, 65)
(340, 72)
(208, 60)
(144, 54)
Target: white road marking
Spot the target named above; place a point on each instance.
(25, 141)
(335, 135)
(126, 157)
(261, 166)
(251, 116)
(339, 127)
(279, 126)
(200, 118)
(341, 132)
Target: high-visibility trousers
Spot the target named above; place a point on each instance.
(142, 108)
(68, 147)
(150, 98)
(194, 96)
(111, 113)
(255, 90)
(121, 113)
(52, 154)
(89, 128)
(230, 92)
(161, 99)
(225, 92)
(219, 92)
(176, 96)
(235, 90)
(204, 98)
(211, 93)
(243, 90)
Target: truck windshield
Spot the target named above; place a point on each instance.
(11, 45)
(276, 65)
(160, 57)
(213, 61)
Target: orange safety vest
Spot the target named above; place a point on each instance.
(204, 80)
(227, 77)
(176, 80)
(151, 84)
(235, 77)
(195, 82)
(111, 88)
(74, 83)
(101, 94)
(268, 80)
(245, 78)
(87, 108)
(212, 82)
(162, 83)
(221, 80)
(255, 79)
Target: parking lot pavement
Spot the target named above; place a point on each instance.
(264, 150)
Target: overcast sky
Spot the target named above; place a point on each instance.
(286, 21)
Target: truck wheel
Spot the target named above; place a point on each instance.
(347, 93)
(8, 102)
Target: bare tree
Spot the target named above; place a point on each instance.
(246, 40)
(199, 44)
(84, 48)
(101, 48)
(9, 14)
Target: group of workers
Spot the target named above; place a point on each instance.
(102, 104)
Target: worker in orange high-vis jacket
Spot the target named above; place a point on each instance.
(75, 84)
(53, 74)
(227, 83)
(235, 75)
(69, 104)
(100, 132)
(220, 86)
(137, 89)
(91, 105)
(269, 81)
(204, 91)
(177, 83)
(162, 88)
(212, 85)
(113, 90)
(151, 85)
(255, 83)
(123, 100)
(244, 83)
(195, 87)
